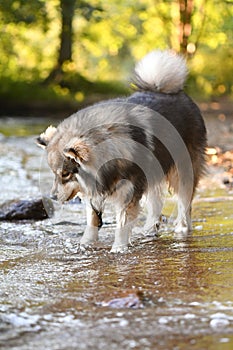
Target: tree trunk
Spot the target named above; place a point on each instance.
(66, 36)
(186, 8)
(66, 40)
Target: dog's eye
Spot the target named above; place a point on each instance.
(66, 175)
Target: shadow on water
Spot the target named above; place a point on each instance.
(54, 296)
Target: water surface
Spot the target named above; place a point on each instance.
(54, 296)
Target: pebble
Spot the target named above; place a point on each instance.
(219, 322)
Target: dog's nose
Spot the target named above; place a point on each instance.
(53, 196)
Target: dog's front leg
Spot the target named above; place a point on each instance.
(125, 220)
(94, 222)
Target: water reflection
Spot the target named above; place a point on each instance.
(51, 292)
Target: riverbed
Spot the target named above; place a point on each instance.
(166, 293)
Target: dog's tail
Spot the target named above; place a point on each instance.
(160, 71)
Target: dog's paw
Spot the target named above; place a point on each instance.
(119, 249)
(88, 242)
(181, 230)
(152, 231)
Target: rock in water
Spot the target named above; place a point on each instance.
(126, 299)
(32, 209)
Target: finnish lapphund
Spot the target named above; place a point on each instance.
(119, 150)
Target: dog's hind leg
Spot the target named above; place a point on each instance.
(94, 222)
(183, 185)
(125, 220)
(154, 202)
(183, 222)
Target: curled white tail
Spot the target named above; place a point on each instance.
(161, 71)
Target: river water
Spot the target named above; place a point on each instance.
(166, 293)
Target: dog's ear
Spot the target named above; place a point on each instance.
(78, 150)
(46, 136)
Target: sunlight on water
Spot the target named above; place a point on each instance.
(52, 294)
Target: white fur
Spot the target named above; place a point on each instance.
(90, 235)
(154, 207)
(165, 71)
(49, 133)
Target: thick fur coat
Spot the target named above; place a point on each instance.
(122, 149)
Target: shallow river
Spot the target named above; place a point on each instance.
(166, 293)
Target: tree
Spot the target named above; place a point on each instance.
(109, 36)
(65, 51)
(185, 9)
(66, 37)
(67, 8)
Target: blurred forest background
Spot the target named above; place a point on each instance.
(59, 53)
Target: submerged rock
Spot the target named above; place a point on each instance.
(127, 299)
(32, 209)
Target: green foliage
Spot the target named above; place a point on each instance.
(108, 36)
(21, 11)
(212, 65)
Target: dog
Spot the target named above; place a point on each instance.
(121, 149)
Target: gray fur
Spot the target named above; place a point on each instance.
(120, 149)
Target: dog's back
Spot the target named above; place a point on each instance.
(159, 79)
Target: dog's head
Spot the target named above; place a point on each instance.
(64, 158)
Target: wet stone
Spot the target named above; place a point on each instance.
(32, 209)
(127, 299)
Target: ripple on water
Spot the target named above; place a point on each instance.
(52, 293)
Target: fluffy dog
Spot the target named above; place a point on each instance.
(119, 150)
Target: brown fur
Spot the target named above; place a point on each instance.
(118, 150)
